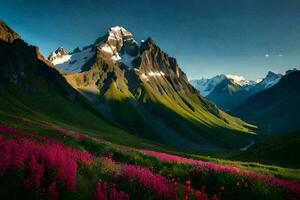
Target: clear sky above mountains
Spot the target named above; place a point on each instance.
(245, 37)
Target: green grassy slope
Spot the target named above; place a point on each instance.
(282, 150)
(187, 116)
(56, 109)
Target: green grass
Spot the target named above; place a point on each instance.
(280, 150)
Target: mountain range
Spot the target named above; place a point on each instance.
(229, 91)
(117, 86)
(142, 89)
(271, 103)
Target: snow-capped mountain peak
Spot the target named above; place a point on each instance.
(117, 46)
(236, 78)
(120, 35)
(58, 53)
(240, 80)
(205, 86)
(270, 80)
(117, 38)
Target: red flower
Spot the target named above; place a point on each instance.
(51, 191)
(188, 182)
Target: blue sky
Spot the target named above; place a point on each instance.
(208, 37)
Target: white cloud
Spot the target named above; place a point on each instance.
(280, 55)
(267, 55)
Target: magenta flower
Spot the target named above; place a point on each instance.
(157, 184)
(102, 192)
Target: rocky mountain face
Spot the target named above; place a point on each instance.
(7, 34)
(275, 109)
(22, 64)
(140, 88)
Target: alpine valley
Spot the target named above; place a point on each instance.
(140, 88)
(118, 119)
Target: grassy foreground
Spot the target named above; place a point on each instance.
(106, 169)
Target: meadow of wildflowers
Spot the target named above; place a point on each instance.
(54, 170)
(201, 168)
(103, 192)
(40, 159)
(144, 180)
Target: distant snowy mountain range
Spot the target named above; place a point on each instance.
(229, 91)
(207, 85)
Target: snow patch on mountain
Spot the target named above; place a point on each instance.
(109, 52)
(61, 59)
(73, 62)
(127, 59)
(152, 74)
